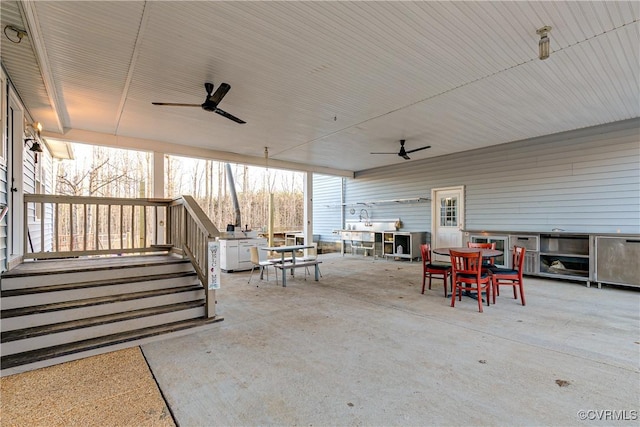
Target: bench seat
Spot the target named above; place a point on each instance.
(301, 264)
(289, 265)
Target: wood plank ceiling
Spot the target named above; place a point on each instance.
(323, 84)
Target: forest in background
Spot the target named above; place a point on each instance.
(109, 172)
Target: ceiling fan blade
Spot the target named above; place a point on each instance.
(219, 93)
(229, 116)
(383, 153)
(405, 157)
(418, 149)
(172, 104)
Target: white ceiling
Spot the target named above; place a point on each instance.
(323, 84)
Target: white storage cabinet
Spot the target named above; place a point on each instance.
(235, 254)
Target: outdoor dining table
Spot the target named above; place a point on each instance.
(486, 253)
(282, 250)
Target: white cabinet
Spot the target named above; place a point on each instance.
(235, 254)
(228, 254)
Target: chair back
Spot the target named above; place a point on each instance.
(425, 251)
(466, 263)
(517, 260)
(483, 246)
(262, 255)
(255, 255)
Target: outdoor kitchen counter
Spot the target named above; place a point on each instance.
(359, 237)
(384, 243)
(609, 258)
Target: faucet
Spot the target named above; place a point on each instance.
(365, 214)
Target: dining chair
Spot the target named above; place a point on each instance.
(509, 276)
(431, 269)
(259, 259)
(488, 262)
(467, 275)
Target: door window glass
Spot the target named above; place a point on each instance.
(449, 211)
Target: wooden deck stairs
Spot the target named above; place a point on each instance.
(53, 311)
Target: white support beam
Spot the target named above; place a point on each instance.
(158, 175)
(97, 138)
(308, 208)
(158, 193)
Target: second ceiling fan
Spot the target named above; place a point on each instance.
(211, 101)
(405, 153)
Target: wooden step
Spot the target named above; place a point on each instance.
(37, 273)
(66, 305)
(18, 334)
(103, 342)
(59, 310)
(116, 323)
(28, 317)
(17, 298)
(93, 283)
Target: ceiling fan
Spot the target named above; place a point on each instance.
(404, 153)
(211, 101)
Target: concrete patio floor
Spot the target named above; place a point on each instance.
(363, 347)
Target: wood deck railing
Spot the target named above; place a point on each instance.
(76, 226)
(190, 230)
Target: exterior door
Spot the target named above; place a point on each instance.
(15, 118)
(447, 218)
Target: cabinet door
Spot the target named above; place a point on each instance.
(244, 252)
(229, 254)
(617, 260)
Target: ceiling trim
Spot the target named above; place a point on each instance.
(97, 138)
(132, 64)
(40, 52)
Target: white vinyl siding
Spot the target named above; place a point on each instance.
(327, 199)
(581, 181)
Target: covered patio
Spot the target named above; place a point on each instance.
(363, 347)
(518, 118)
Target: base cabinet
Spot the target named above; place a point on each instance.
(617, 260)
(600, 258)
(235, 254)
(403, 244)
(531, 244)
(566, 256)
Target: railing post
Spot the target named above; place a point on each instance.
(211, 303)
(25, 222)
(183, 233)
(212, 257)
